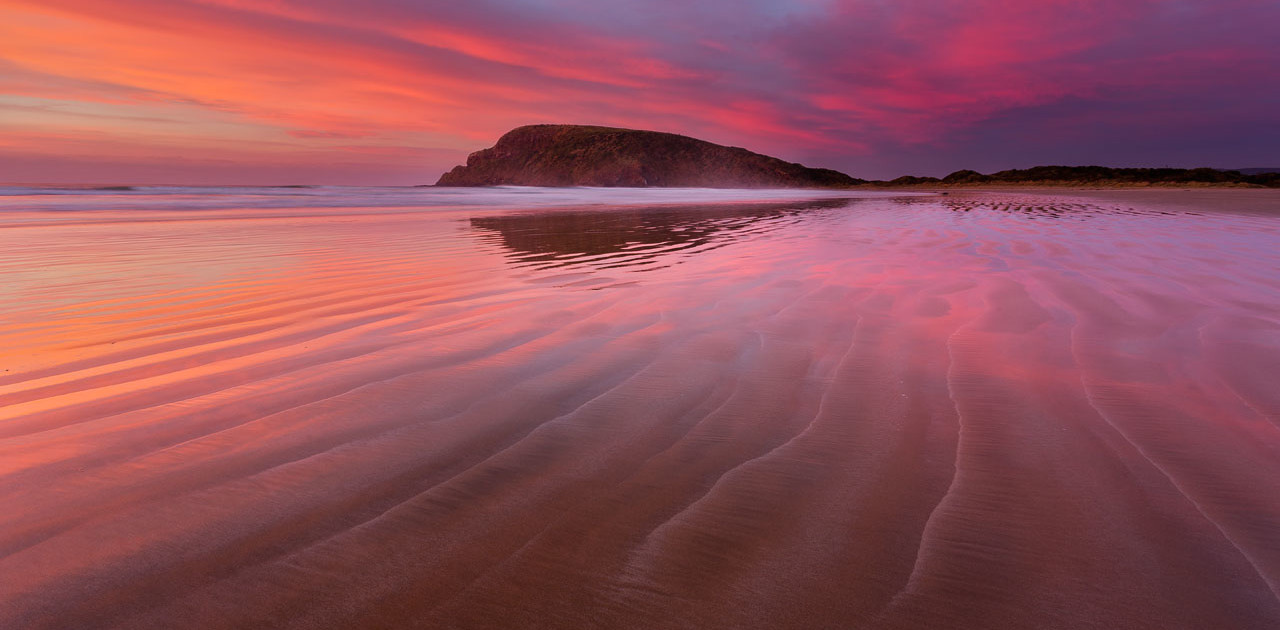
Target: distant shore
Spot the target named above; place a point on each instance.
(1094, 177)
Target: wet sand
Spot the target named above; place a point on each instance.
(982, 410)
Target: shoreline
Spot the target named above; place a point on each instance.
(1067, 186)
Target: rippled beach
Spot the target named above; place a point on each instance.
(578, 408)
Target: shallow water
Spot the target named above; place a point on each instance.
(591, 408)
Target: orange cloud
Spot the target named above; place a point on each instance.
(842, 83)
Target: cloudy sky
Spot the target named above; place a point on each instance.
(397, 91)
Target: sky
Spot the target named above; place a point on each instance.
(374, 92)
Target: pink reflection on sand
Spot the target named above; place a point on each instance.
(986, 409)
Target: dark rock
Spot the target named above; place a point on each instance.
(575, 155)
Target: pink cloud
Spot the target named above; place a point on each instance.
(849, 84)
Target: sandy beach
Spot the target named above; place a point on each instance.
(1013, 409)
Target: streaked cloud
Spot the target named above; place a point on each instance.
(875, 88)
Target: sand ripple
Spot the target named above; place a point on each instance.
(980, 410)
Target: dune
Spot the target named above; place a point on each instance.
(989, 409)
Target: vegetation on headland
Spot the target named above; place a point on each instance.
(1099, 176)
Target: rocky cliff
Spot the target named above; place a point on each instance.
(574, 155)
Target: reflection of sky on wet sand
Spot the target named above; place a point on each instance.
(641, 237)
(937, 411)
